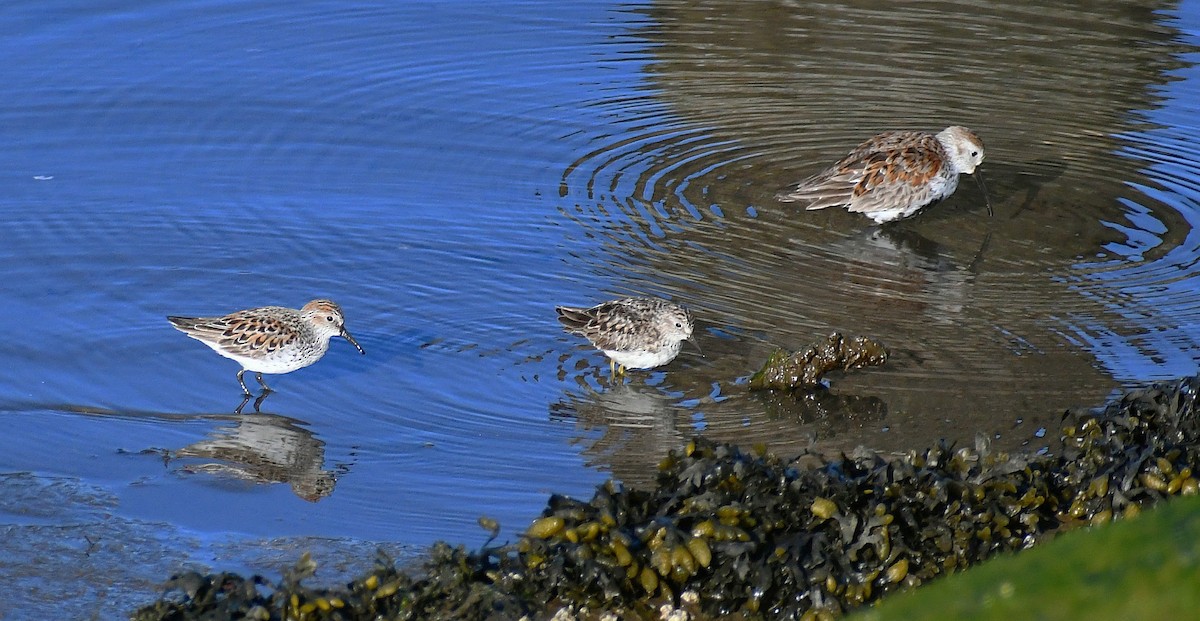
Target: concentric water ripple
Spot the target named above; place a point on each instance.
(752, 98)
(450, 171)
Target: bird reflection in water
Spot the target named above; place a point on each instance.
(263, 448)
(638, 424)
(910, 274)
(258, 401)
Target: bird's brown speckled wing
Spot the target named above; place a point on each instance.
(614, 326)
(890, 169)
(244, 333)
(573, 319)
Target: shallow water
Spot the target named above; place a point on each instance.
(449, 172)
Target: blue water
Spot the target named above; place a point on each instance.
(450, 171)
(199, 158)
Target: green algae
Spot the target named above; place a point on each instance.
(1145, 568)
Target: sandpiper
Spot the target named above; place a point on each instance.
(270, 339)
(894, 175)
(635, 333)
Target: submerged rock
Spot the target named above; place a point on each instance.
(805, 368)
(752, 534)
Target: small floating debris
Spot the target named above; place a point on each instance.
(804, 369)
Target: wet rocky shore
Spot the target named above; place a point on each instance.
(742, 532)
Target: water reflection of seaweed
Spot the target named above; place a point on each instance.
(638, 425)
(629, 428)
(826, 414)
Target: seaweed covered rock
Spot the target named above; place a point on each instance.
(730, 531)
(451, 584)
(752, 533)
(805, 368)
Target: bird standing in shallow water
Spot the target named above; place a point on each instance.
(271, 339)
(638, 333)
(894, 175)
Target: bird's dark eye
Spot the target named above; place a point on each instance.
(678, 325)
(974, 153)
(328, 317)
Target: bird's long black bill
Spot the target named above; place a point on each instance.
(695, 344)
(346, 335)
(982, 188)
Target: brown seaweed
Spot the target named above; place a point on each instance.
(728, 531)
(804, 368)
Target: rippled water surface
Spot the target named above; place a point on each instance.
(449, 171)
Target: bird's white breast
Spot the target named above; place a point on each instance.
(645, 359)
